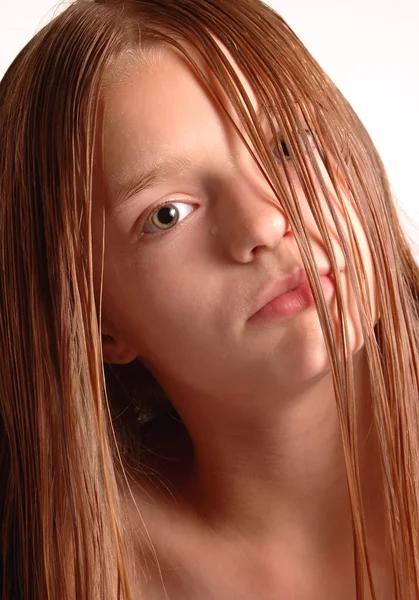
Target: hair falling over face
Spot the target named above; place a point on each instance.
(61, 457)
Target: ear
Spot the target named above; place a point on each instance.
(116, 350)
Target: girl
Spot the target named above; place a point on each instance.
(209, 318)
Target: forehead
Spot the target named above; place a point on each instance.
(163, 69)
(160, 106)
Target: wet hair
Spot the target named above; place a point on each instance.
(61, 452)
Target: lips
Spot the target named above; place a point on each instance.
(285, 285)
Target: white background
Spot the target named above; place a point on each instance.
(370, 48)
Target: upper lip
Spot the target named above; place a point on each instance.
(284, 285)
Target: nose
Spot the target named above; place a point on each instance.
(248, 219)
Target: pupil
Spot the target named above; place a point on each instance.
(166, 215)
(285, 149)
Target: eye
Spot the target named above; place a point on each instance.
(166, 216)
(285, 148)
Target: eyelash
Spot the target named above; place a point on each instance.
(166, 202)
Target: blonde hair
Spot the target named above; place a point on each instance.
(60, 462)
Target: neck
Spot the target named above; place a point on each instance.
(273, 468)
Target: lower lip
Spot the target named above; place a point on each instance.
(292, 303)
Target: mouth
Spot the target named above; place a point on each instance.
(290, 294)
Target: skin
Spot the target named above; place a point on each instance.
(263, 501)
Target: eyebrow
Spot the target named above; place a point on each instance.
(140, 181)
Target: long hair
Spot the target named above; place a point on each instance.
(60, 456)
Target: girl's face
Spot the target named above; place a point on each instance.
(181, 282)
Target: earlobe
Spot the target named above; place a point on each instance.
(117, 351)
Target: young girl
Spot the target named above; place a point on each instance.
(209, 318)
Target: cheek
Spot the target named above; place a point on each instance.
(348, 223)
(349, 298)
(157, 301)
(365, 256)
